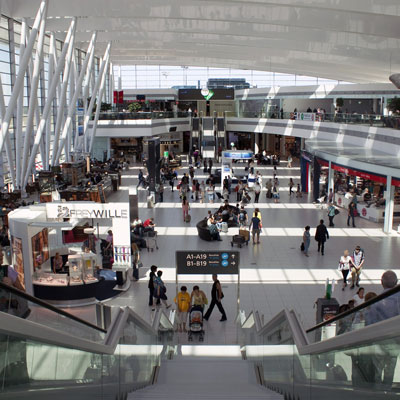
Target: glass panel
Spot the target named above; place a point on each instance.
(31, 370)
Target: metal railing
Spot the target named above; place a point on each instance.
(342, 118)
(121, 115)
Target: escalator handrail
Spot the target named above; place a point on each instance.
(48, 306)
(360, 307)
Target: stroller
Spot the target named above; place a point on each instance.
(196, 323)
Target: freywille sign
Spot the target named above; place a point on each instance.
(207, 262)
(87, 210)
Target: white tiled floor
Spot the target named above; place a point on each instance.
(274, 274)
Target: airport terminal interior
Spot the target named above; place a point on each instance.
(199, 199)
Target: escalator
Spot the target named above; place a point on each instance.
(347, 357)
(52, 354)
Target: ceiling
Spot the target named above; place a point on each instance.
(349, 40)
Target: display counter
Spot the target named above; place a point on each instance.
(344, 200)
(92, 193)
(376, 214)
(99, 290)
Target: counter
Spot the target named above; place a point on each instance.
(375, 214)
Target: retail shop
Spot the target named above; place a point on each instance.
(355, 174)
(56, 250)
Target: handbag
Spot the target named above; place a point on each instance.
(337, 211)
(302, 247)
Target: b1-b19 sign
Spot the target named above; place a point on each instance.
(204, 262)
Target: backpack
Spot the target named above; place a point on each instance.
(242, 217)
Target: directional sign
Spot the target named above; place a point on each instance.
(207, 262)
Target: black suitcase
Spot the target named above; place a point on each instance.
(219, 195)
(239, 240)
(269, 194)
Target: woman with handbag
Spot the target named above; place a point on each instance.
(331, 214)
(160, 289)
(344, 266)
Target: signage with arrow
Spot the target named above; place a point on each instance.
(204, 262)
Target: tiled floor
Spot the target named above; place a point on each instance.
(274, 274)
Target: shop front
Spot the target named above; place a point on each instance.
(69, 272)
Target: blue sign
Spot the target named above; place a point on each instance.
(238, 155)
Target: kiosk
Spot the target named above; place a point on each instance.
(228, 157)
(39, 231)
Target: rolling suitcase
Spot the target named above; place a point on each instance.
(224, 227)
(188, 218)
(238, 240)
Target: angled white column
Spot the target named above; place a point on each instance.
(93, 97)
(86, 86)
(33, 91)
(101, 94)
(8, 141)
(46, 163)
(19, 82)
(68, 44)
(20, 113)
(389, 207)
(72, 105)
(63, 96)
(72, 88)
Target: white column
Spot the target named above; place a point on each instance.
(331, 182)
(100, 98)
(33, 92)
(72, 89)
(72, 105)
(19, 82)
(64, 87)
(8, 141)
(388, 222)
(256, 141)
(309, 178)
(49, 101)
(20, 113)
(46, 163)
(93, 97)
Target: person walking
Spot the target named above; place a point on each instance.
(291, 184)
(331, 214)
(257, 191)
(171, 182)
(216, 297)
(358, 259)
(141, 179)
(160, 290)
(321, 235)
(161, 192)
(306, 239)
(275, 193)
(256, 225)
(344, 266)
(351, 214)
(185, 208)
(152, 276)
(289, 161)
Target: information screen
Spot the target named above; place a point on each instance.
(196, 94)
(205, 262)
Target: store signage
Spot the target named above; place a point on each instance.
(87, 210)
(207, 94)
(305, 116)
(361, 174)
(204, 262)
(237, 155)
(323, 163)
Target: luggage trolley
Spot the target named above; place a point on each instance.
(151, 240)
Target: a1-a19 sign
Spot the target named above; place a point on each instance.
(207, 262)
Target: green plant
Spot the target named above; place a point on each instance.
(134, 107)
(394, 105)
(339, 102)
(105, 106)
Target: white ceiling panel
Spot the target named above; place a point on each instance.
(351, 40)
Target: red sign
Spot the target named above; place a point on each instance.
(323, 163)
(120, 97)
(339, 201)
(396, 182)
(364, 212)
(115, 101)
(361, 174)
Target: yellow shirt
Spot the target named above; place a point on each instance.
(183, 301)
